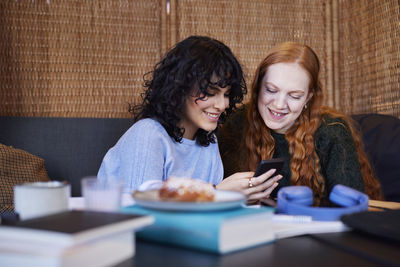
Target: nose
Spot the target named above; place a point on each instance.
(221, 102)
(280, 101)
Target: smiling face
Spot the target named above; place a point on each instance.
(283, 95)
(204, 113)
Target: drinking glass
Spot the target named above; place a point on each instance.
(101, 195)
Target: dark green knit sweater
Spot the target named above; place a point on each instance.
(333, 142)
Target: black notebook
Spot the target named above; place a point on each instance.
(379, 223)
(72, 227)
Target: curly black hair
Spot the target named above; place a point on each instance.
(191, 62)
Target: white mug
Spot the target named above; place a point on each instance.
(41, 198)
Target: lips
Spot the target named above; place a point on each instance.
(212, 116)
(277, 115)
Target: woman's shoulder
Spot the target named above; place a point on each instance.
(330, 122)
(333, 128)
(147, 123)
(146, 129)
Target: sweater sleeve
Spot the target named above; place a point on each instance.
(338, 155)
(137, 157)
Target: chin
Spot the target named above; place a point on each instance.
(209, 128)
(275, 128)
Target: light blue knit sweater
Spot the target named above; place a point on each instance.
(146, 152)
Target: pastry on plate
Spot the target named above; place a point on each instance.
(186, 190)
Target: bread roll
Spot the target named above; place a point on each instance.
(186, 190)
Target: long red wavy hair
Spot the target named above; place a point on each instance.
(304, 163)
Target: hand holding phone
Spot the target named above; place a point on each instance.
(266, 165)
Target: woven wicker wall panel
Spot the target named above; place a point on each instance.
(77, 58)
(369, 57)
(250, 28)
(86, 58)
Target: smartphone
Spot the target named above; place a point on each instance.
(266, 165)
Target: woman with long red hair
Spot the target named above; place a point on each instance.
(285, 119)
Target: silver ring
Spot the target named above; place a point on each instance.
(250, 183)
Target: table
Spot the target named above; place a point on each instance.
(333, 249)
(330, 249)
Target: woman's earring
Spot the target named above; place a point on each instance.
(305, 106)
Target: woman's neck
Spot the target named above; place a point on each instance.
(189, 132)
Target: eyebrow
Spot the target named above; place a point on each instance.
(291, 91)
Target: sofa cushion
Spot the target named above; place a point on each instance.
(381, 137)
(16, 167)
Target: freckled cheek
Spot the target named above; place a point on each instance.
(265, 99)
(295, 107)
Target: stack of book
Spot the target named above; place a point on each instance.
(226, 231)
(220, 232)
(73, 238)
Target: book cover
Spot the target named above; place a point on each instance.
(72, 227)
(97, 253)
(215, 231)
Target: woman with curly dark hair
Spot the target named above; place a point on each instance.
(285, 119)
(189, 92)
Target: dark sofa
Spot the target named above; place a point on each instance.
(71, 147)
(74, 147)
